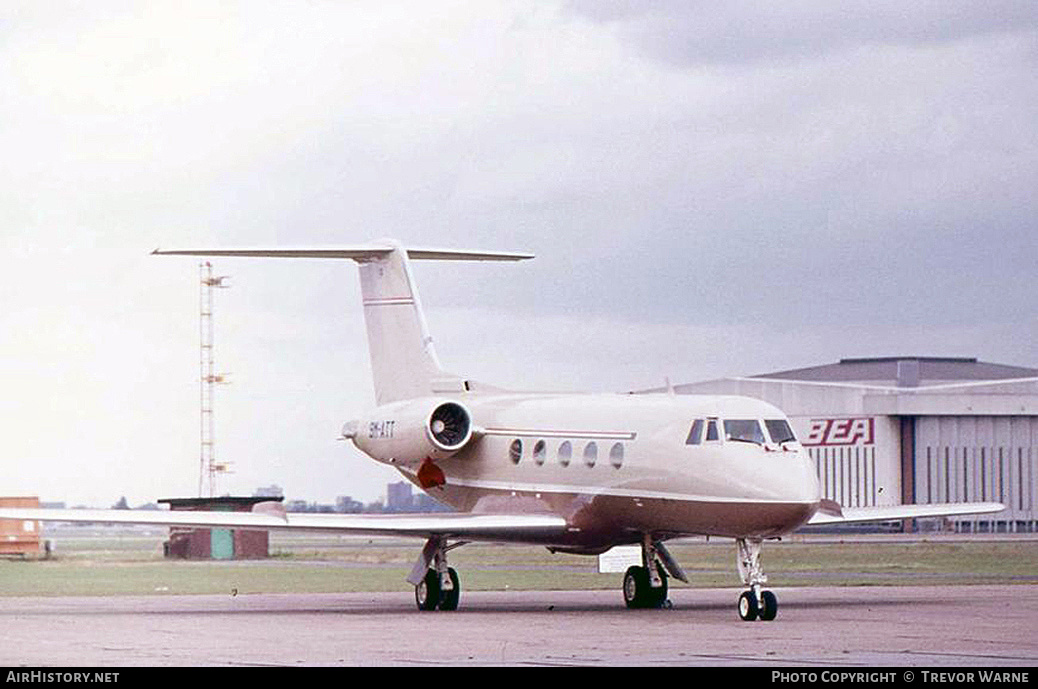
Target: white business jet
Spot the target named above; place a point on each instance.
(575, 473)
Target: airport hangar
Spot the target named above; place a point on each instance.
(904, 430)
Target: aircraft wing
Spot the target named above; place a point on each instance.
(853, 515)
(468, 526)
(474, 527)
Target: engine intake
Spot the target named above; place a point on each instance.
(449, 426)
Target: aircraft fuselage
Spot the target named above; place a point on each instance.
(614, 466)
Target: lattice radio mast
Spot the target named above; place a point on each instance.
(208, 378)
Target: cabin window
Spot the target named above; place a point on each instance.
(779, 431)
(616, 455)
(540, 450)
(695, 436)
(711, 431)
(565, 452)
(590, 454)
(515, 451)
(743, 430)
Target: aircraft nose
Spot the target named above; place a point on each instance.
(810, 490)
(798, 480)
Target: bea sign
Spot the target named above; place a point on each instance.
(849, 431)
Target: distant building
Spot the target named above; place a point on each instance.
(426, 503)
(297, 506)
(347, 505)
(399, 497)
(271, 491)
(311, 507)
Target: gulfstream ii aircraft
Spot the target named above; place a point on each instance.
(574, 473)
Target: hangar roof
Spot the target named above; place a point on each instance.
(906, 371)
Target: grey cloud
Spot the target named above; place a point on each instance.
(704, 32)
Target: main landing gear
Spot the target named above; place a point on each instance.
(430, 593)
(645, 586)
(436, 586)
(755, 603)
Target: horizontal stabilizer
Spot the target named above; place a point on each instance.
(854, 515)
(357, 253)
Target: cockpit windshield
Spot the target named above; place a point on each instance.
(780, 431)
(744, 430)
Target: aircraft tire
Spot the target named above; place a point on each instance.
(449, 599)
(768, 606)
(427, 593)
(638, 590)
(636, 586)
(655, 598)
(748, 607)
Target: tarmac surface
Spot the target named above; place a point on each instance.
(817, 627)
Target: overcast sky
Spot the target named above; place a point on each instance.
(711, 189)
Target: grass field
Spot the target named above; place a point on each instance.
(99, 562)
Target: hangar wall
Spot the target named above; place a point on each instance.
(904, 430)
(971, 458)
(855, 457)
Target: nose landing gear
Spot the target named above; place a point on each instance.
(755, 603)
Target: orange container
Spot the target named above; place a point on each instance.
(18, 536)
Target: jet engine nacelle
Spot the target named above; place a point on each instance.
(409, 432)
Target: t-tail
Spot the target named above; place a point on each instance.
(404, 364)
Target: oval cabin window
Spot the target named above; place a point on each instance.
(540, 450)
(616, 455)
(565, 452)
(590, 454)
(515, 451)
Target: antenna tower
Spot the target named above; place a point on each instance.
(208, 466)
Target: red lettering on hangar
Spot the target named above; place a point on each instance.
(846, 431)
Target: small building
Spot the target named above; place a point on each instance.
(216, 544)
(19, 537)
(913, 430)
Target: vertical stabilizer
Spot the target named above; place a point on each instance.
(403, 362)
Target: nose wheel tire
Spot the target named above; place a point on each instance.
(748, 607)
(768, 606)
(752, 608)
